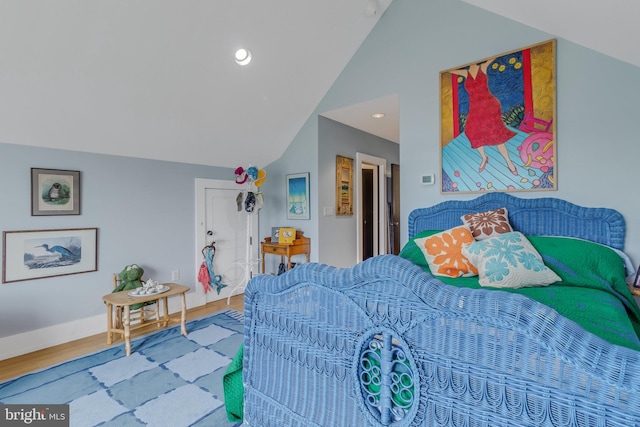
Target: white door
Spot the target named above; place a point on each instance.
(231, 231)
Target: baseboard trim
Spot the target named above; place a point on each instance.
(27, 342)
(17, 345)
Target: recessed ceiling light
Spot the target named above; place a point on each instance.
(377, 115)
(243, 56)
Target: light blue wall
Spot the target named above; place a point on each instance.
(299, 157)
(332, 239)
(144, 211)
(597, 139)
(337, 234)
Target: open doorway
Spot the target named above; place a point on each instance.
(368, 211)
(347, 132)
(393, 209)
(371, 202)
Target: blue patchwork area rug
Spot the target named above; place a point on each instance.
(169, 380)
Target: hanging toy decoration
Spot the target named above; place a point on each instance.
(241, 175)
(259, 201)
(252, 173)
(262, 176)
(252, 199)
(260, 179)
(214, 279)
(203, 277)
(250, 202)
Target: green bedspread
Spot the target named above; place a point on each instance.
(233, 388)
(593, 291)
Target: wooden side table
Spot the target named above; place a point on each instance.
(301, 245)
(118, 300)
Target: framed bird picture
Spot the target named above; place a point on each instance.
(55, 192)
(36, 254)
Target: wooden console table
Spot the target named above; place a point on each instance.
(299, 246)
(122, 300)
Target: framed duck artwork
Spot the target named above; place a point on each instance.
(497, 130)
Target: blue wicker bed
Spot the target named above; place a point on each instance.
(384, 343)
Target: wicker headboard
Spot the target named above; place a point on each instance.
(535, 217)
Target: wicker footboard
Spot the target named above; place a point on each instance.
(383, 343)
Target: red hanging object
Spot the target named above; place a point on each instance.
(204, 278)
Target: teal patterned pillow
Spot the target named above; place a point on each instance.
(509, 261)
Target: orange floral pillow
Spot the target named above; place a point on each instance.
(488, 224)
(443, 252)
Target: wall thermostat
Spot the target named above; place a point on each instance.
(428, 179)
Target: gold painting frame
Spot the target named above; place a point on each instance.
(498, 123)
(344, 186)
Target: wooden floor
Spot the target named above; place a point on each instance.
(20, 365)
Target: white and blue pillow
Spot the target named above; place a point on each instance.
(509, 261)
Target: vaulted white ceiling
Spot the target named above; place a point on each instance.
(156, 78)
(609, 27)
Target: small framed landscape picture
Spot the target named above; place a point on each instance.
(298, 196)
(55, 192)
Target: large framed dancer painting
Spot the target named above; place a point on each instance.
(498, 121)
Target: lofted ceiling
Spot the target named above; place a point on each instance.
(360, 116)
(608, 27)
(156, 78)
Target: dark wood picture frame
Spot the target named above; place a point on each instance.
(55, 192)
(39, 254)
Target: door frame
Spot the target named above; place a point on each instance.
(201, 186)
(379, 214)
